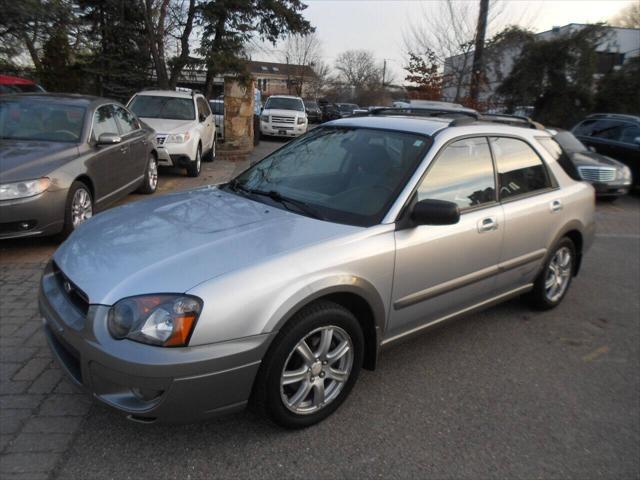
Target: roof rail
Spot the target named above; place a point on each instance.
(425, 112)
(513, 120)
(620, 116)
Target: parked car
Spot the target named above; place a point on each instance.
(217, 108)
(11, 84)
(283, 116)
(329, 112)
(314, 114)
(614, 135)
(609, 177)
(293, 276)
(346, 109)
(186, 131)
(65, 157)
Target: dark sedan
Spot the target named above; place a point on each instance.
(609, 177)
(65, 157)
(314, 114)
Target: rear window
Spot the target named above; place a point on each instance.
(560, 156)
(171, 108)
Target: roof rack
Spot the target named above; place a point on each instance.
(425, 112)
(513, 120)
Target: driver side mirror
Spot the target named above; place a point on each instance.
(435, 212)
(109, 139)
(202, 117)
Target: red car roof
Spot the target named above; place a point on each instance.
(10, 80)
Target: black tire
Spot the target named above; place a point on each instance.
(266, 396)
(211, 154)
(69, 227)
(538, 297)
(194, 168)
(148, 186)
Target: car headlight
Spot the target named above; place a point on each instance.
(28, 188)
(264, 118)
(624, 174)
(301, 120)
(166, 319)
(178, 138)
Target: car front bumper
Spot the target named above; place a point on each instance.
(282, 130)
(41, 214)
(611, 189)
(169, 153)
(146, 383)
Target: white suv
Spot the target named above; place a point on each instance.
(186, 132)
(283, 116)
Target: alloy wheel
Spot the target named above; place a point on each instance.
(153, 173)
(81, 207)
(558, 274)
(316, 370)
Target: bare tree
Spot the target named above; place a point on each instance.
(358, 68)
(628, 17)
(448, 29)
(301, 53)
(165, 21)
(321, 78)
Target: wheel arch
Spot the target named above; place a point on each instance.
(362, 300)
(575, 231)
(84, 178)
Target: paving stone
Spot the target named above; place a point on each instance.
(32, 369)
(65, 405)
(28, 463)
(65, 386)
(13, 388)
(19, 401)
(4, 441)
(26, 476)
(39, 442)
(46, 382)
(41, 424)
(11, 420)
(17, 354)
(8, 369)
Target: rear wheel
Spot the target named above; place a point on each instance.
(194, 168)
(150, 181)
(553, 281)
(311, 367)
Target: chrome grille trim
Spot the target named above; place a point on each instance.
(277, 119)
(597, 174)
(160, 139)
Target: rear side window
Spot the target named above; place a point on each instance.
(560, 156)
(104, 122)
(520, 169)
(217, 108)
(462, 173)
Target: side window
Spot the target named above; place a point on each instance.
(126, 120)
(559, 155)
(462, 173)
(520, 169)
(104, 122)
(203, 107)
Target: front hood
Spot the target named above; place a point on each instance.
(30, 159)
(284, 113)
(593, 159)
(174, 242)
(163, 125)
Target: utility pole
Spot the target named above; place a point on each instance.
(384, 70)
(477, 68)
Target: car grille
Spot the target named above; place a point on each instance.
(276, 119)
(75, 295)
(597, 174)
(160, 139)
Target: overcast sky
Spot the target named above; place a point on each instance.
(378, 25)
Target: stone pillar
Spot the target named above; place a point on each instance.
(238, 117)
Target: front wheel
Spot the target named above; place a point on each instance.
(311, 367)
(78, 208)
(150, 181)
(194, 168)
(553, 281)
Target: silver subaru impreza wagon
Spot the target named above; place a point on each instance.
(276, 288)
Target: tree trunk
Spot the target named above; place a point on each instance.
(477, 68)
(183, 58)
(155, 35)
(212, 69)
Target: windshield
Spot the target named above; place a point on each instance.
(170, 108)
(347, 107)
(284, 104)
(36, 120)
(310, 104)
(346, 175)
(569, 142)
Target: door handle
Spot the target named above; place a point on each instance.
(487, 224)
(555, 206)
(124, 149)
